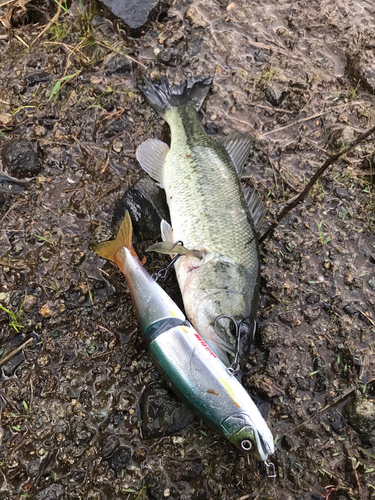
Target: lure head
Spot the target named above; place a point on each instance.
(250, 435)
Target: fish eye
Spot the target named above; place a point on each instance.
(246, 445)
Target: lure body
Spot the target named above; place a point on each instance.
(185, 361)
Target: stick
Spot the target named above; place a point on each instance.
(333, 402)
(18, 349)
(293, 202)
(53, 20)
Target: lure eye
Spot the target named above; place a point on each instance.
(246, 445)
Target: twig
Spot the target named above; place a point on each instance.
(106, 163)
(53, 20)
(354, 471)
(8, 212)
(363, 314)
(279, 110)
(18, 349)
(308, 118)
(333, 402)
(22, 41)
(293, 202)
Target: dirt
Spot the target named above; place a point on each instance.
(299, 77)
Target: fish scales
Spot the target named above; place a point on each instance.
(204, 194)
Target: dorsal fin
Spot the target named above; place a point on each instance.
(255, 206)
(151, 155)
(238, 147)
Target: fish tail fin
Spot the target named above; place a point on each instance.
(108, 249)
(164, 96)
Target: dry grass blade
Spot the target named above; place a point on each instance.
(47, 27)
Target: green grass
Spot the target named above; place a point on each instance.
(15, 317)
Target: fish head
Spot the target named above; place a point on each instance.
(251, 435)
(215, 287)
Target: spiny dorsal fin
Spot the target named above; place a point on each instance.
(151, 155)
(238, 147)
(255, 206)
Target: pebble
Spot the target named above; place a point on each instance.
(20, 159)
(30, 302)
(195, 18)
(134, 13)
(52, 309)
(117, 147)
(270, 336)
(360, 414)
(371, 282)
(311, 313)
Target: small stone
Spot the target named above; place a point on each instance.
(40, 131)
(77, 258)
(350, 309)
(311, 313)
(167, 492)
(342, 193)
(290, 318)
(313, 298)
(52, 309)
(231, 6)
(20, 158)
(140, 455)
(109, 445)
(6, 119)
(120, 460)
(35, 78)
(41, 452)
(195, 18)
(360, 414)
(43, 360)
(134, 13)
(274, 95)
(117, 147)
(30, 302)
(371, 282)
(270, 336)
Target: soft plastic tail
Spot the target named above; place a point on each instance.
(163, 96)
(108, 249)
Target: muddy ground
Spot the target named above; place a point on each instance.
(299, 76)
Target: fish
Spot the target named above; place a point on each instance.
(185, 361)
(215, 219)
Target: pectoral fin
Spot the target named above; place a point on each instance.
(166, 247)
(151, 155)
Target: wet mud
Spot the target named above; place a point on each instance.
(75, 420)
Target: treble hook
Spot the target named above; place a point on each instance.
(235, 366)
(162, 273)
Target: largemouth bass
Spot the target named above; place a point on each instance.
(219, 272)
(184, 360)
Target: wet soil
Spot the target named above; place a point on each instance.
(297, 75)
